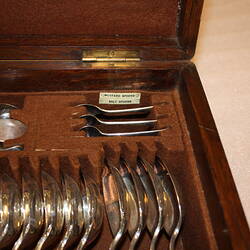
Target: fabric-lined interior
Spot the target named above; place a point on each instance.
(99, 18)
(59, 110)
(52, 134)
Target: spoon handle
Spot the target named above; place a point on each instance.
(160, 200)
(115, 111)
(124, 212)
(143, 122)
(177, 228)
(137, 133)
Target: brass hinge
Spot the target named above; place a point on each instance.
(110, 56)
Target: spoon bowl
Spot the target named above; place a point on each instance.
(172, 226)
(160, 195)
(5, 109)
(32, 212)
(115, 195)
(140, 215)
(151, 200)
(93, 212)
(53, 206)
(73, 212)
(11, 129)
(10, 210)
(132, 199)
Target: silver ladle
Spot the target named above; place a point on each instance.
(95, 110)
(93, 120)
(92, 131)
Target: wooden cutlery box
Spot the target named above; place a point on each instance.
(57, 54)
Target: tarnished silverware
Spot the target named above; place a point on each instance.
(32, 212)
(92, 131)
(93, 120)
(10, 210)
(53, 206)
(115, 195)
(95, 110)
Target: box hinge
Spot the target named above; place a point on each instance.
(110, 56)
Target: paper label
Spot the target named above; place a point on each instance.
(119, 98)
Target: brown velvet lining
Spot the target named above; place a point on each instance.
(52, 144)
(63, 133)
(95, 18)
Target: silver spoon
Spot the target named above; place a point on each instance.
(94, 212)
(132, 200)
(11, 129)
(10, 210)
(115, 195)
(92, 131)
(53, 206)
(32, 212)
(93, 120)
(168, 180)
(151, 200)
(88, 210)
(160, 196)
(141, 207)
(73, 212)
(5, 109)
(95, 110)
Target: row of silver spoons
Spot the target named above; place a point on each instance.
(65, 214)
(146, 197)
(135, 199)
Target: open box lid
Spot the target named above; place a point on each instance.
(62, 29)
